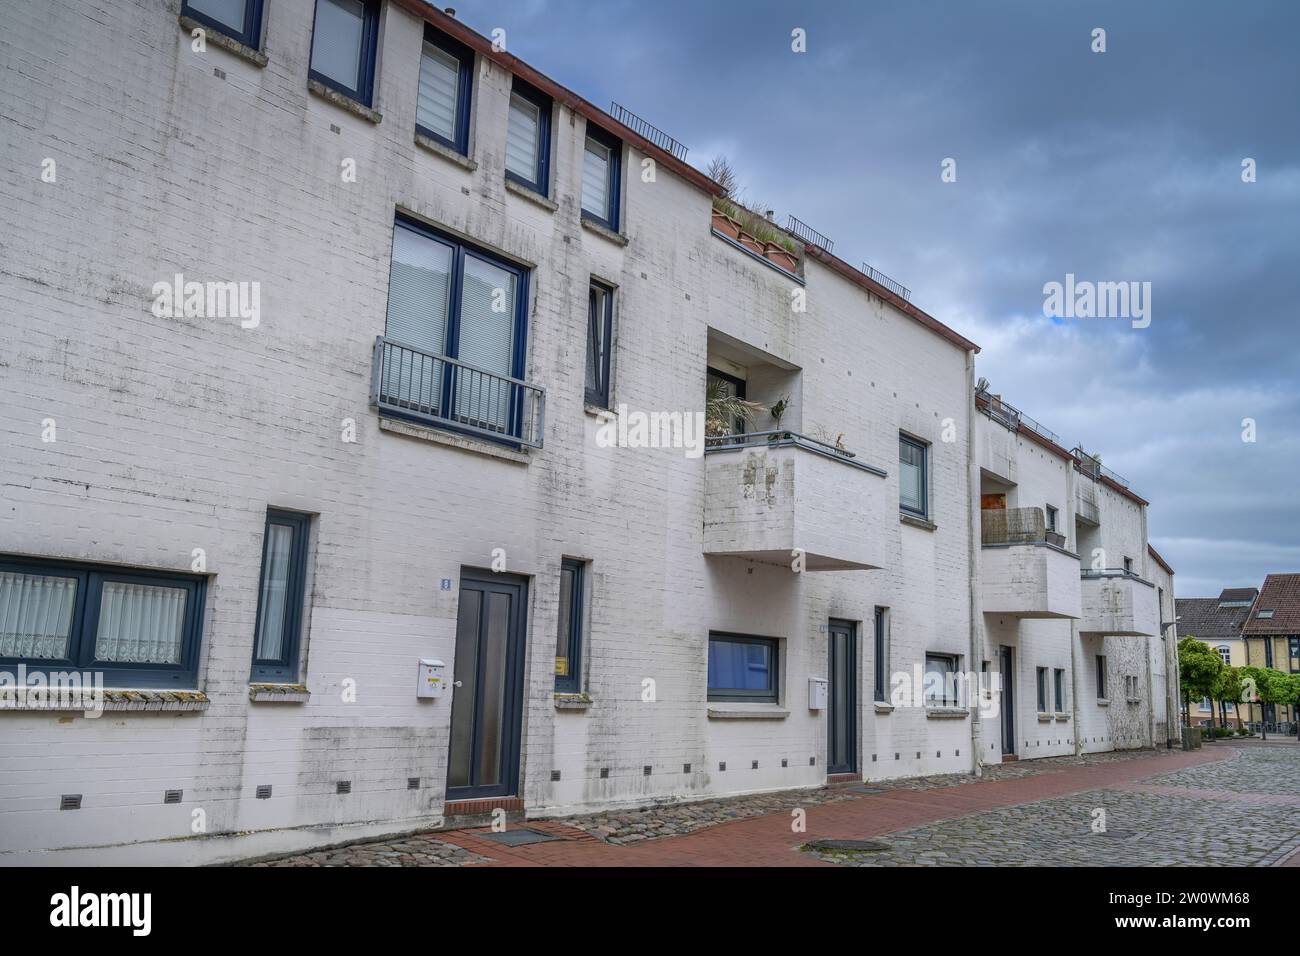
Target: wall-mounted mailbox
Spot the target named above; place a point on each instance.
(432, 678)
(817, 693)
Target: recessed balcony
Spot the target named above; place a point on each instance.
(1025, 570)
(1118, 603)
(774, 497)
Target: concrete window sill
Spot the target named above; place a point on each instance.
(946, 713)
(573, 701)
(344, 102)
(1103, 702)
(882, 707)
(925, 524)
(1062, 717)
(618, 238)
(229, 44)
(532, 195)
(598, 412)
(1044, 718)
(446, 152)
(264, 693)
(117, 700)
(722, 711)
(451, 440)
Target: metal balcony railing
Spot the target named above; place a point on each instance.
(807, 234)
(452, 394)
(1007, 415)
(781, 439)
(1093, 573)
(893, 285)
(1092, 467)
(643, 129)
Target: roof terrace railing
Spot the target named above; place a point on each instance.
(643, 129)
(893, 285)
(1007, 415)
(1091, 466)
(809, 235)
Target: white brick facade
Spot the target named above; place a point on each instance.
(177, 434)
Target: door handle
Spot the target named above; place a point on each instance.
(456, 683)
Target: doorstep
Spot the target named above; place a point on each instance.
(843, 779)
(1009, 758)
(463, 814)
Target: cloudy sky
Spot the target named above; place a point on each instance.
(1117, 166)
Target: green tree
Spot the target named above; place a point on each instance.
(1198, 670)
(1269, 686)
(1227, 689)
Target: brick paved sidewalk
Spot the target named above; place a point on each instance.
(1176, 795)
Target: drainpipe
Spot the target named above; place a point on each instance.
(973, 537)
(1071, 510)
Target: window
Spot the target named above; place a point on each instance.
(1051, 518)
(941, 681)
(280, 597)
(1205, 704)
(882, 654)
(343, 45)
(1265, 615)
(721, 386)
(600, 328)
(238, 19)
(446, 79)
(1293, 652)
(528, 138)
(602, 161)
(1101, 677)
(140, 628)
(1130, 688)
(568, 645)
(912, 496)
(742, 668)
(1225, 652)
(450, 303)
(1058, 678)
(1128, 565)
(1042, 690)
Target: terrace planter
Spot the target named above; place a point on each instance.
(726, 225)
(781, 256)
(756, 246)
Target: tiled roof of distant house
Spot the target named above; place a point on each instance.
(1280, 595)
(1209, 620)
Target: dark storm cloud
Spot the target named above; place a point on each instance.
(1124, 165)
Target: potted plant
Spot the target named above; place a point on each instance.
(778, 411)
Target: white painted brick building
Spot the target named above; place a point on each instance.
(144, 453)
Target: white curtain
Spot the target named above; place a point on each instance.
(419, 287)
(521, 138)
(36, 615)
(595, 179)
(487, 332)
(275, 592)
(140, 624)
(435, 107)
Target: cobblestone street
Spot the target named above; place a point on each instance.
(1230, 804)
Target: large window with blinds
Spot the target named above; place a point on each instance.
(602, 160)
(528, 138)
(455, 333)
(446, 78)
(140, 628)
(345, 37)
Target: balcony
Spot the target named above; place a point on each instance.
(1025, 571)
(447, 393)
(770, 493)
(1119, 603)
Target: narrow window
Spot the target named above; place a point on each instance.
(941, 681)
(140, 628)
(882, 654)
(1128, 565)
(280, 597)
(446, 78)
(912, 496)
(343, 45)
(1101, 677)
(1059, 678)
(600, 327)
(568, 645)
(602, 160)
(742, 668)
(528, 138)
(1051, 518)
(238, 19)
(1042, 690)
(719, 388)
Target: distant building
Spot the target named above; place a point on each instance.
(1271, 635)
(1218, 622)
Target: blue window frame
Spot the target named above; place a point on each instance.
(140, 628)
(446, 86)
(743, 668)
(600, 337)
(528, 138)
(568, 644)
(238, 19)
(913, 477)
(345, 36)
(602, 177)
(280, 597)
(449, 299)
